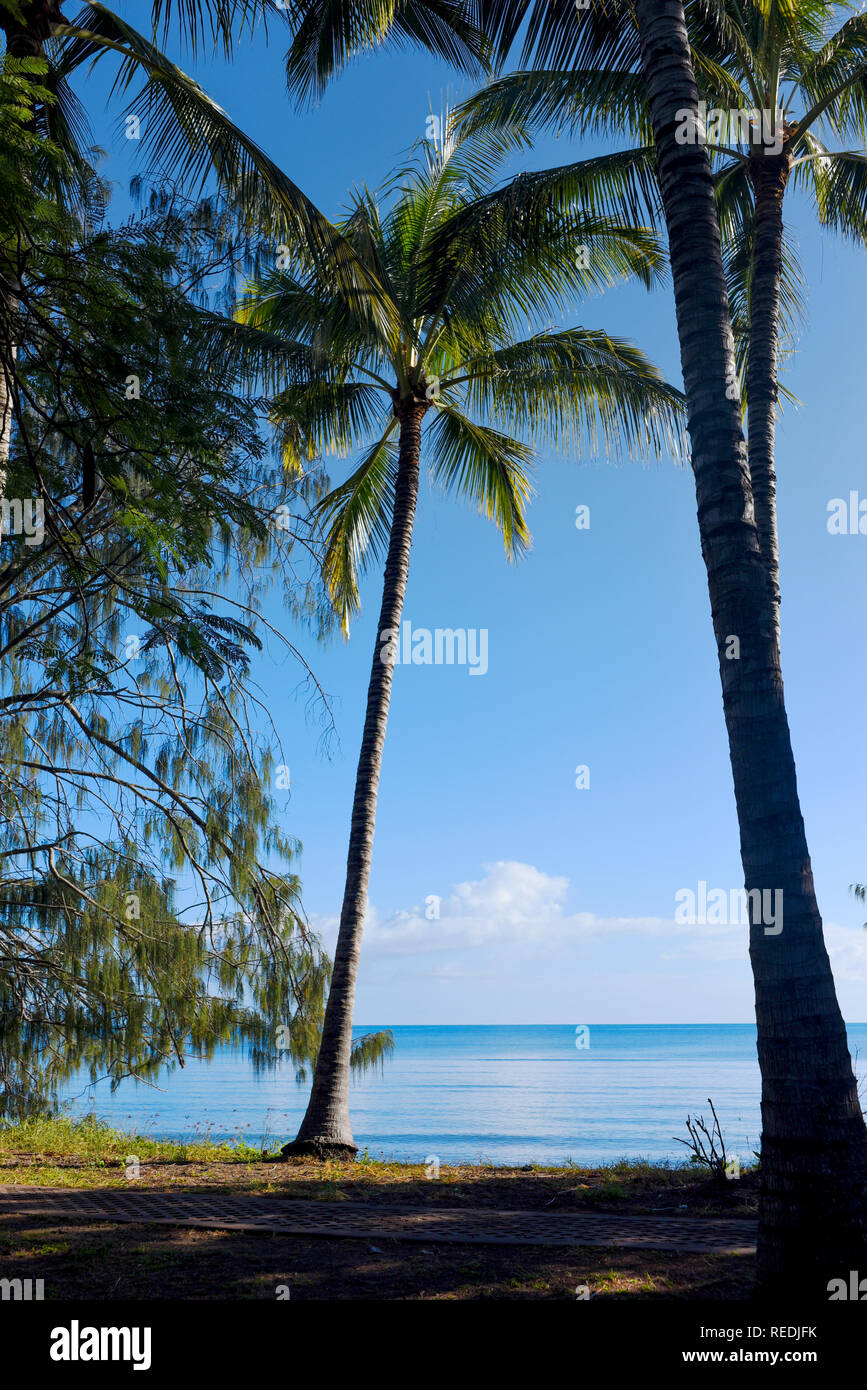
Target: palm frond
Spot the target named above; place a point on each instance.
(327, 34)
(186, 134)
(524, 252)
(356, 517)
(578, 102)
(837, 182)
(486, 467)
(215, 24)
(580, 389)
(834, 79)
(324, 416)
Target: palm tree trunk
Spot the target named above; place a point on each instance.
(770, 175)
(26, 36)
(326, 1131)
(813, 1217)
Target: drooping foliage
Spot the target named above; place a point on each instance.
(148, 903)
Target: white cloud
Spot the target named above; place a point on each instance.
(517, 905)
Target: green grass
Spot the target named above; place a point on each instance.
(91, 1141)
(59, 1151)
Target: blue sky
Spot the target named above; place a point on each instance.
(558, 903)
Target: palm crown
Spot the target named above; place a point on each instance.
(749, 55)
(451, 273)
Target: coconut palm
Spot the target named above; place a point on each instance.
(439, 366)
(813, 1212)
(638, 70)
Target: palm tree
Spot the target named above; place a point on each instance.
(637, 68)
(641, 67)
(434, 363)
(813, 1213)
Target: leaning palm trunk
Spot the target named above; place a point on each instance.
(770, 175)
(326, 1130)
(813, 1222)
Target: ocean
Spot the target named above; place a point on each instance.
(499, 1094)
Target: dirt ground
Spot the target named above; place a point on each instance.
(117, 1261)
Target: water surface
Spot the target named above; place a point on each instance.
(497, 1094)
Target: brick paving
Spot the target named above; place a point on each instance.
(354, 1220)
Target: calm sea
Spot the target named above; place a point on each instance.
(485, 1094)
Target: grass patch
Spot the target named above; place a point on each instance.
(91, 1141)
(59, 1151)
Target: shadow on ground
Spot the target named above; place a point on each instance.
(105, 1261)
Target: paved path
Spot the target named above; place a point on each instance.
(357, 1220)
